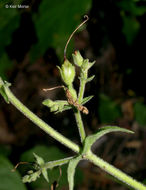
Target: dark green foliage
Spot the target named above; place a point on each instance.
(108, 110)
(140, 113)
(8, 179)
(130, 12)
(54, 23)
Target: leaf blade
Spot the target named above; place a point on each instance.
(71, 171)
(90, 140)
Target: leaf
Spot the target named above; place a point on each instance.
(45, 174)
(53, 30)
(39, 160)
(87, 99)
(90, 140)
(90, 78)
(131, 27)
(71, 171)
(64, 109)
(9, 180)
(108, 110)
(9, 19)
(140, 113)
(131, 7)
(49, 154)
(5, 64)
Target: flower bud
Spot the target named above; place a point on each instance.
(67, 72)
(77, 58)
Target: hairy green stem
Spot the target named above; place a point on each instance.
(115, 172)
(80, 125)
(55, 163)
(40, 123)
(89, 155)
(81, 90)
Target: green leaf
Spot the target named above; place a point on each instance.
(131, 7)
(71, 171)
(49, 154)
(140, 113)
(87, 99)
(8, 179)
(5, 64)
(108, 110)
(39, 160)
(90, 78)
(90, 140)
(131, 27)
(45, 174)
(54, 25)
(9, 19)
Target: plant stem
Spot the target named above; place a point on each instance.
(78, 114)
(81, 90)
(114, 171)
(80, 125)
(40, 123)
(55, 163)
(89, 155)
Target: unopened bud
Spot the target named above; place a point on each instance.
(67, 72)
(77, 58)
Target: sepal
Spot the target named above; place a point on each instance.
(77, 58)
(67, 72)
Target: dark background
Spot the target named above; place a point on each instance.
(32, 41)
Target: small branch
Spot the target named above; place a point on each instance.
(78, 114)
(115, 172)
(40, 123)
(55, 163)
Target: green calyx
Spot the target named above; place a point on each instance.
(77, 58)
(67, 72)
(87, 65)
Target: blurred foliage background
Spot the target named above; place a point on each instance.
(32, 40)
